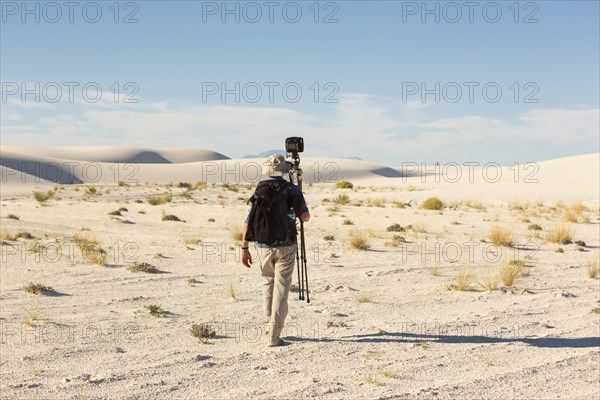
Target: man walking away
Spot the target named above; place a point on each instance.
(271, 223)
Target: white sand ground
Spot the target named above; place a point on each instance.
(379, 324)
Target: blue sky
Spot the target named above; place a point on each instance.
(373, 57)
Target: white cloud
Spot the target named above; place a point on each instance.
(357, 126)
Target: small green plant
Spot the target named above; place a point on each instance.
(203, 332)
(155, 310)
(42, 197)
(332, 324)
(344, 185)
(433, 203)
(143, 267)
(37, 288)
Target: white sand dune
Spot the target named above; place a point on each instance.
(561, 179)
(119, 154)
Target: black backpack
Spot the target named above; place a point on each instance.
(268, 221)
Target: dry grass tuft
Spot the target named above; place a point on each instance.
(364, 298)
(433, 270)
(489, 281)
(560, 233)
(194, 239)
(158, 200)
(502, 236)
(396, 241)
(510, 271)
(359, 241)
(593, 268)
(464, 279)
(342, 199)
(231, 288)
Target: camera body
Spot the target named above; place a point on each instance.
(294, 145)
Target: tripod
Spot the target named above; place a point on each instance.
(296, 178)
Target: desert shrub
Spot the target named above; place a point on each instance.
(24, 235)
(143, 267)
(42, 197)
(344, 185)
(395, 228)
(37, 288)
(115, 213)
(12, 216)
(396, 241)
(329, 237)
(200, 185)
(123, 209)
(348, 222)
(433, 203)
(534, 227)
(501, 236)
(185, 185)
(203, 332)
(171, 217)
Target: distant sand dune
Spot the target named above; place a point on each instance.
(119, 154)
(570, 177)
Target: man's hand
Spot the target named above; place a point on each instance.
(246, 258)
(305, 216)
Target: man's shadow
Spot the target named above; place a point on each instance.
(403, 337)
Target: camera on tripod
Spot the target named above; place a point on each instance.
(294, 145)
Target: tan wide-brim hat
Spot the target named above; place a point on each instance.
(275, 165)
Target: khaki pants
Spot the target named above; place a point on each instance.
(277, 267)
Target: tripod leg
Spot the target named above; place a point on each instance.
(303, 258)
(298, 266)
